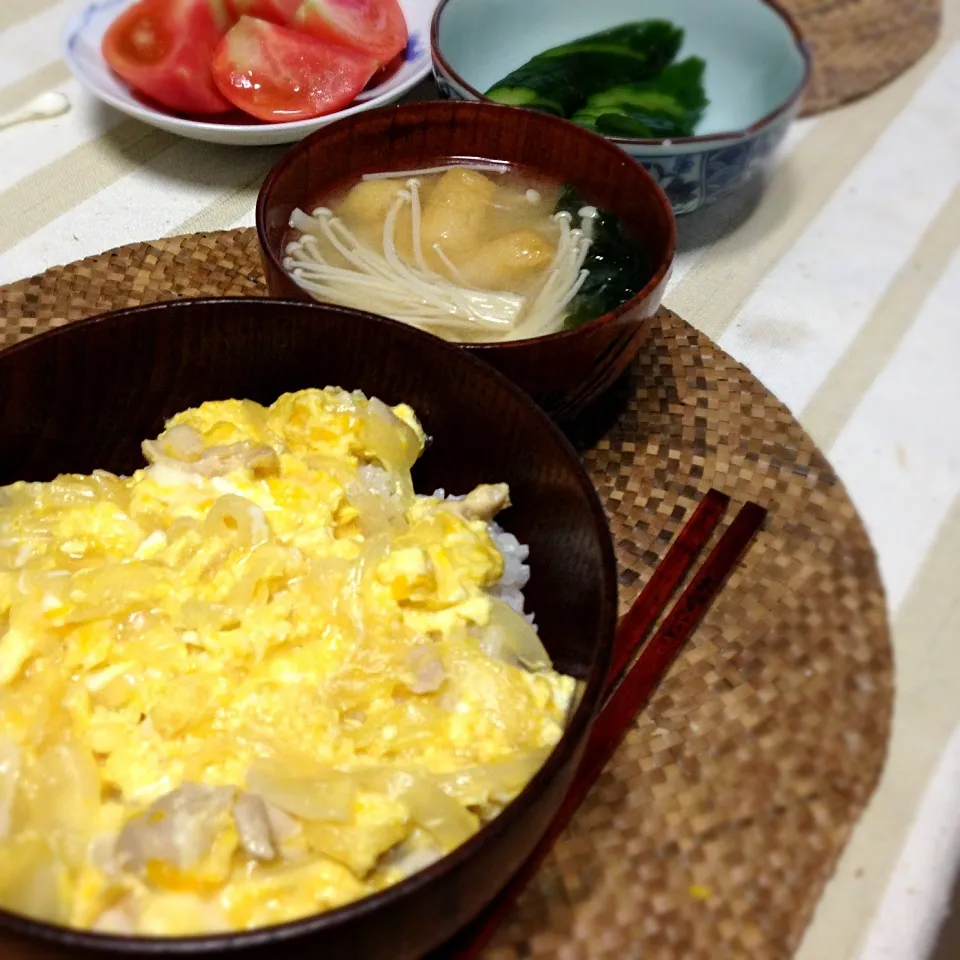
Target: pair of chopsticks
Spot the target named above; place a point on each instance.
(628, 690)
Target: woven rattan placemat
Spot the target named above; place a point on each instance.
(713, 831)
(859, 45)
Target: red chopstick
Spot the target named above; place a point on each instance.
(666, 577)
(621, 708)
(657, 656)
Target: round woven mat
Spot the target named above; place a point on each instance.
(721, 817)
(859, 45)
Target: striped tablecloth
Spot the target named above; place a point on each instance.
(837, 282)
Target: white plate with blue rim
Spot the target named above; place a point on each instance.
(83, 37)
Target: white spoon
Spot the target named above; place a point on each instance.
(39, 108)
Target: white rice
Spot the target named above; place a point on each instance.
(516, 572)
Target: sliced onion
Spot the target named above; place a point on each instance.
(512, 638)
(499, 782)
(393, 442)
(33, 880)
(444, 818)
(64, 785)
(214, 461)
(9, 771)
(267, 563)
(336, 469)
(326, 794)
(110, 590)
(234, 517)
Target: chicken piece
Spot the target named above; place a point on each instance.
(507, 261)
(178, 829)
(253, 825)
(483, 502)
(417, 852)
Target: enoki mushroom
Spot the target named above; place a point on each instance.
(381, 282)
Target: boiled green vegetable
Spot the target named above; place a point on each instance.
(560, 80)
(618, 266)
(620, 82)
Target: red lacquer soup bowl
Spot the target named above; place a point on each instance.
(562, 371)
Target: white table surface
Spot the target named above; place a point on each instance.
(837, 282)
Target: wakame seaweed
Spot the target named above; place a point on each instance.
(561, 79)
(619, 82)
(618, 266)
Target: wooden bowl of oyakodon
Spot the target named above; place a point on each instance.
(563, 370)
(82, 397)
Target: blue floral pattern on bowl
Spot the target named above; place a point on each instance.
(415, 48)
(702, 176)
(680, 178)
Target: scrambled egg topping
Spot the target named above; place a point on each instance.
(257, 679)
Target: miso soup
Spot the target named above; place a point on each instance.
(479, 253)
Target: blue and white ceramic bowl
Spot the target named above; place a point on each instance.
(757, 68)
(81, 51)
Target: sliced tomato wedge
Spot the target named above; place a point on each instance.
(276, 74)
(376, 27)
(162, 48)
(276, 11)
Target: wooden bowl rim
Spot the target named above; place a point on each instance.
(578, 727)
(706, 140)
(663, 267)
